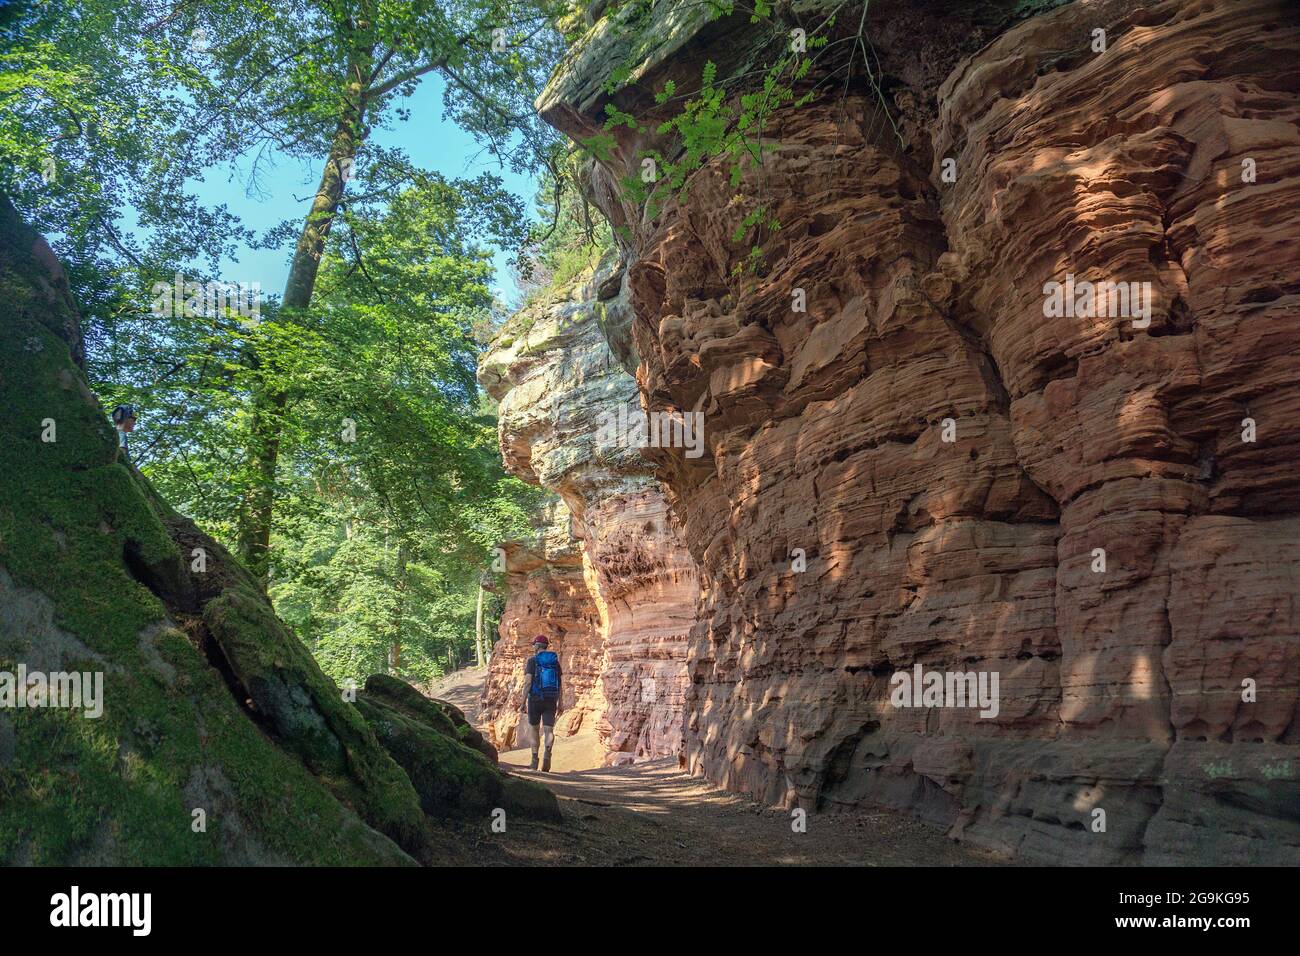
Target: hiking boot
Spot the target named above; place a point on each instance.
(533, 765)
(546, 762)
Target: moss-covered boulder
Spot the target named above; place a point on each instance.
(452, 778)
(439, 714)
(219, 739)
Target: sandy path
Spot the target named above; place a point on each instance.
(462, 688)
(653, 814)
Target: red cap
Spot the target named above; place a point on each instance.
(540, 639)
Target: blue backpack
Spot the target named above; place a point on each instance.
(546, 676)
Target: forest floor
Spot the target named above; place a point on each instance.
(654, 814)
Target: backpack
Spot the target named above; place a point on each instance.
(546, 676)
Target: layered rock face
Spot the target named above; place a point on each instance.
(615, 589)
(918, 455)
(546, 593)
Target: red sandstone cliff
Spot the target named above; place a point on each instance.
(616, 590)
(545, 594)
(1121, 689)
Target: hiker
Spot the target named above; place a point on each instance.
(543, 698)
(124, 419)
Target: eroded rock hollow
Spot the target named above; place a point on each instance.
(1098, 506)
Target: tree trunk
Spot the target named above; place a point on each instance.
(257, 509)
(478, 629)
(395, 653)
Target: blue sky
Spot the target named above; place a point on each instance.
(431, 142)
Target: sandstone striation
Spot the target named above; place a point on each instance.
(612, 587)
(546, 593)
(928, 465)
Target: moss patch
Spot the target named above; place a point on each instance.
(438, 714)
(452, 778)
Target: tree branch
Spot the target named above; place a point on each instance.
(483, 100)
(405, 77)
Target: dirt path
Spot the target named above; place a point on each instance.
(462, 688)
(653, 814)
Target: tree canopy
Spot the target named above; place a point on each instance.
(334, 434)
